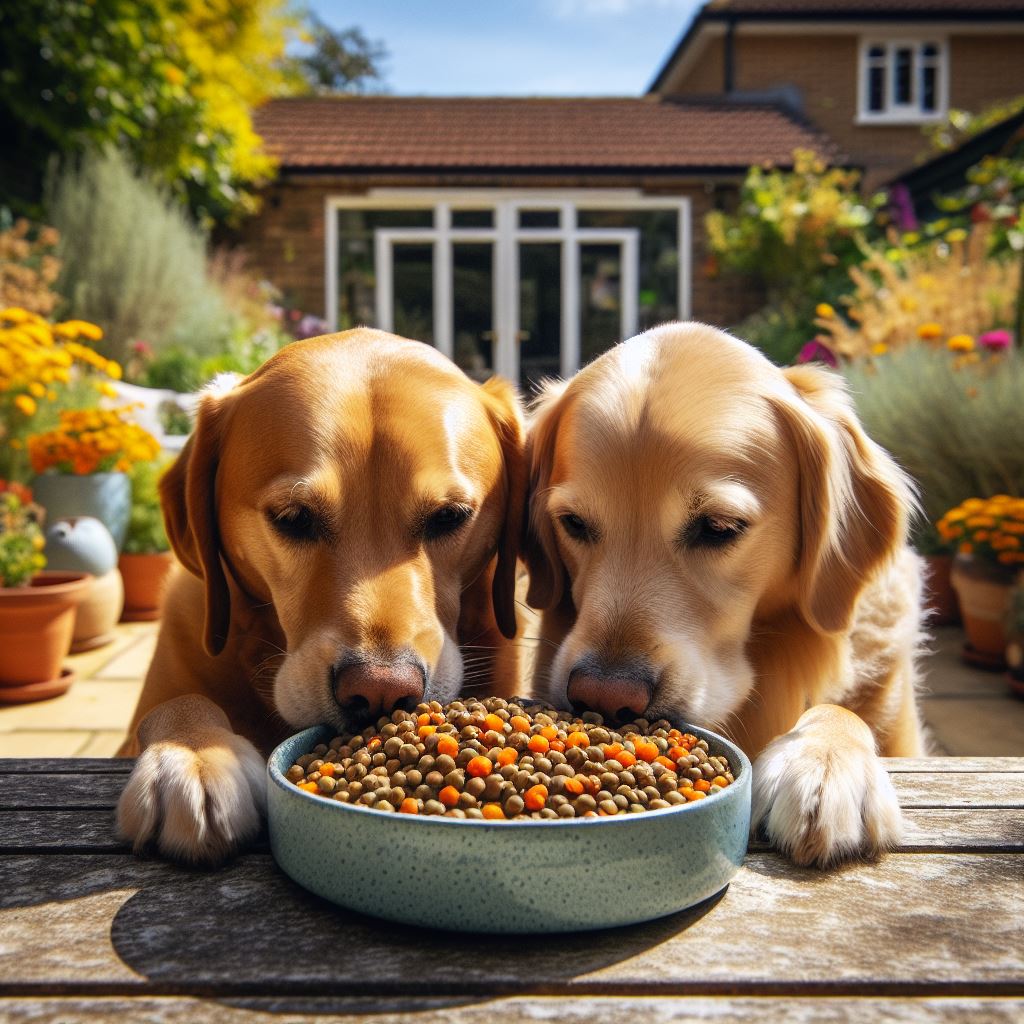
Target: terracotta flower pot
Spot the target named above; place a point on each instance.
(984, 596)
(939, 593)
(36, 624)
(144, 579)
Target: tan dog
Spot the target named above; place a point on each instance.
(348, 515)
(715, 540)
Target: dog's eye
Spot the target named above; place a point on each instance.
(445, 520)
(712, 532)
(298, 524)
(576, 527)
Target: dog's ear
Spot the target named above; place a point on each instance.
(507, 417)
(188, 497)
(540, 551)
(854, 501)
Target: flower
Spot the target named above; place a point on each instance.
(92, 441)
(930, 331)
(960, 343)
(824, 310)
(990, 529)
(995, 341)
(815, 351)
(879, 348)
(25, 404)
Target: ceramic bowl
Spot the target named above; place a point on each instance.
(508, 876)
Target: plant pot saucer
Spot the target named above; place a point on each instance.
(91, 643)
(23, 693)
(983, 659)
(1016, 685)
(140, 615)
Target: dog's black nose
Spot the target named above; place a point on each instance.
(372, 689)
(614, 692)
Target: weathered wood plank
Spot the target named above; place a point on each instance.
(914, 789)
(65, 765)
(81, 830)
(913, 924)
(540, 1009)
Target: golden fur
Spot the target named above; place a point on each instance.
(369, 435)
(659, 448)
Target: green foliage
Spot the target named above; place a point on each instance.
(146, 534)
(957, 428)
(340, 60)
(132, 260)
(960, 125)
(780, 329)
(21, 535)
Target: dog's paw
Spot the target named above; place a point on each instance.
(196, 805)
(821, 795)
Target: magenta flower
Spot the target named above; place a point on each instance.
(996, 341)
(817, 352)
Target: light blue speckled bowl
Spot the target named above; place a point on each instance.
(508, 876)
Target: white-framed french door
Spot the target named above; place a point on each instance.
(506, 281)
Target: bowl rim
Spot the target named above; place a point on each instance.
(733, 752)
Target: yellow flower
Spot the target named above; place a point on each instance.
(15, 315)
(879, 348)
(976, 521)
(824, 310)
(25, 405)
(113, 369)
(981, 536)
(930, 331)
(36, 390)
(956, 235)
(966, 548)
(960, 343)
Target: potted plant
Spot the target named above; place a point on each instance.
(37, 608)
(989, 535)
(147, 558)
(940, 597)
(1015, 639)
(82, 465)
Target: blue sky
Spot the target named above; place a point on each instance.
(517, 47)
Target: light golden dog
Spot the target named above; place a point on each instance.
(348, 516)
(715, 540)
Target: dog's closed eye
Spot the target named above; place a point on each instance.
(445, 520)
(297, 523)
(711, 531)
(578, 528)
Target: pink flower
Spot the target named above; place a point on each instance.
(815, 351)
(996, 341)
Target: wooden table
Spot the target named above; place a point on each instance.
(934, 931)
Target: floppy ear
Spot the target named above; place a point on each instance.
(506, 415)
(854, 501)
(547, 573)
(188, 497)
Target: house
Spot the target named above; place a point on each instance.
(525, 236)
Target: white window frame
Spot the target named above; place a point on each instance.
(909, 113)
(506, 234)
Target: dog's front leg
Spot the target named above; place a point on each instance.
(821, 794)
(198, 790)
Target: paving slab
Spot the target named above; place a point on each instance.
(132, 662)
(978, 726)
(89, 705)
(44, 743)
(103, 743)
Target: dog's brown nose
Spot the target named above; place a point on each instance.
(614, 696)
(376, 689)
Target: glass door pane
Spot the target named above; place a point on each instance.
(540, 313)
(413, 288)
(473, 308)
(600, 299)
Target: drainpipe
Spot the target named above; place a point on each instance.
(729, 64)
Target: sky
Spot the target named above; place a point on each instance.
(517, 47)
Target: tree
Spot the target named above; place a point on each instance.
(341, 60)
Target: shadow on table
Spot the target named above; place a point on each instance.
(253, 936)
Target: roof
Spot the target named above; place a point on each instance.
(347, 133)
(726, 12)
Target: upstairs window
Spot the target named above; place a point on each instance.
(902, 80)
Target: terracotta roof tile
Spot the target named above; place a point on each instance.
(854, 8)
(342, 133)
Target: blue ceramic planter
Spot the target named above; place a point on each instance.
(104, 496)
(512, 876)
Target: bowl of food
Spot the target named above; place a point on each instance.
(510, 816)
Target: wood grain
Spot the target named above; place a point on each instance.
(913, 924)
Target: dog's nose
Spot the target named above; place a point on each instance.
(613, 695)
(372, 689)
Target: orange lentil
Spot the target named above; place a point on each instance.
(558, 745)
(535, 797)
(493, 811)
(573, 785)
(309, 787)
(437, 718)
(519, 724)
(408, 806)
(625, 758)
(549, 732)
(508, 755)
(677, 753)
(492, 721)
(424, 731)
(577, 739)
(693, 794)
(327, 768)
(666, 761)
(449, 796)
(448, 745)
(702, 785)
(611, 749)
(645, 750)
(423, 719)
(539, 744)
(374, 744)
(479, 766)
(718, 780)
(675, 735)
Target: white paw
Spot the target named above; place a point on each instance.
(820, 802)
(198, 806)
